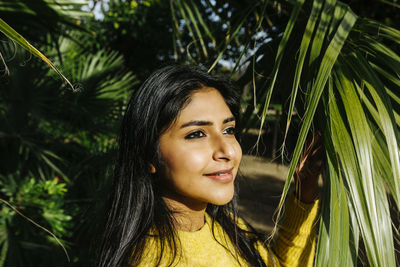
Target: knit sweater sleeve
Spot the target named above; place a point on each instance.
(295, 242)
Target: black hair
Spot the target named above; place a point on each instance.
(136, 206)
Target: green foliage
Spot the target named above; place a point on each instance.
(60, 12)
(35, 19)
(42, 202)
(141, 31)
(48, 130)
(32, 195)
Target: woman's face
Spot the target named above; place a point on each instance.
(200, 151)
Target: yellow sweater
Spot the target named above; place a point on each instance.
(293, 246)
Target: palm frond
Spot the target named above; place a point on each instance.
(13, 35)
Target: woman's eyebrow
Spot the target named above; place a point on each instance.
(204, 123)
(229, 119)
(196, 123)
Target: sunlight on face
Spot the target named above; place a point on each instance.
(200, 151)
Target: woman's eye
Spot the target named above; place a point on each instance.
(230, 131)
(196, 134)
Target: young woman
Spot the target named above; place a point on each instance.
(174, 201)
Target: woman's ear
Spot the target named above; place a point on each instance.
(152, 169)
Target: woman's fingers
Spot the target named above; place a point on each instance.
(309, 169)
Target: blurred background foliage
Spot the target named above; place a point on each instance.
(57, 143)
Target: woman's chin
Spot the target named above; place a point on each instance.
(221, 199)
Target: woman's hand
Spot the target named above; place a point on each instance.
(308, 170)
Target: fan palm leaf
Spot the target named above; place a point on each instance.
(41, 116)
(50, 132)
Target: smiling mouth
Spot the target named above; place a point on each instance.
(223, 176)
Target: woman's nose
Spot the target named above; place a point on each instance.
(223, 149)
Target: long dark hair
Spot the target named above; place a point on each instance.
(136, 206)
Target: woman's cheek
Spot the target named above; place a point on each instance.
(238, 153)
(196, 160)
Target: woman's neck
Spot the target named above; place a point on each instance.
(188, 215)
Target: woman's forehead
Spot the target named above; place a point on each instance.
(205, 104)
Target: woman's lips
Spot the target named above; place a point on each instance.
(223, 176)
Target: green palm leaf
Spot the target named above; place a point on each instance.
(327, 63)
(13, 35)
(278, 59)
(305, 42)
(366, 189)
(52, 13)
